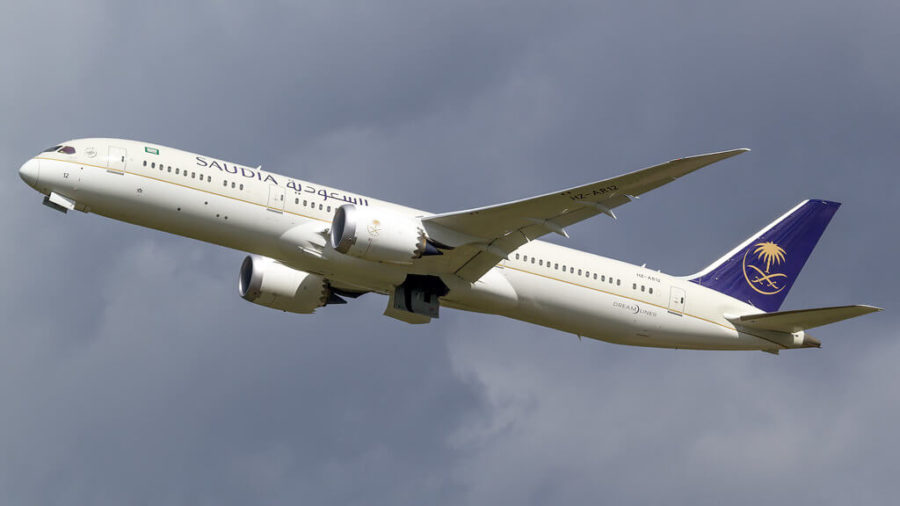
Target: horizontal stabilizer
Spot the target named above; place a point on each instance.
(802, 319)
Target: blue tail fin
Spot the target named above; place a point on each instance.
(763, 268)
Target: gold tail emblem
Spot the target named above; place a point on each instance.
(764, 281)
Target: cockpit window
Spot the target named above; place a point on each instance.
(52, 148)
(69, 150)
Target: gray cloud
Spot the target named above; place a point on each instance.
(131, 373)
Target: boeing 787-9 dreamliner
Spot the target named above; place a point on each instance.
(310, 246)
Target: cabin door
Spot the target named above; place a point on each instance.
(676, 301)
(116, 159)
(276, 198)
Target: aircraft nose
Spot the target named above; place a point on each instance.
(30, 171)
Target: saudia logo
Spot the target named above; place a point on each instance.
(759, 262)
(374, 228)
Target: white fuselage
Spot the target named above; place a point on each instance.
(269, 214)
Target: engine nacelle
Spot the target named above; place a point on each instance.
(376, 234)
(269, 283)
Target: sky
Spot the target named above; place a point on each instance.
(132, 373)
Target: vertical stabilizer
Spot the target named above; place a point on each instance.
(762, 269)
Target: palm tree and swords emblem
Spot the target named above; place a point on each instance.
(374, 228)
(765, 281)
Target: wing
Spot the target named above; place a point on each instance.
(484, 236)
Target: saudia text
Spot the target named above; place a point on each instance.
(268, 178)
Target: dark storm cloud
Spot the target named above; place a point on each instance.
(131, 373)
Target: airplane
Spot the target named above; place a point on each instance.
(311, 246)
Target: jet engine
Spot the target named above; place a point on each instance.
(379, 235)
(269, 283)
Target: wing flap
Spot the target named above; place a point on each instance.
(486, 258)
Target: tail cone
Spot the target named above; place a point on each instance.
(811, 342)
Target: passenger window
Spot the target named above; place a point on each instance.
(564, 268)
(618, 282)
(579, 272)
(296, 201)
(329, 209)
(642, 288)
(304, 203)
(153, 165)
(176, 170)
(541, 262)
(525, 258)
(145, 163)
(517, 256)
(571, 270)
(241, 187)
(651, 289)
(603, 278)
(193, 175)
(595, 275)
(224, 183)
(556, 266)
(634, 286)
(532, 259)
(170, 168)
(320, 207)
(209, 179)
(233, 185)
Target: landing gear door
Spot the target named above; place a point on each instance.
(676, 301)
(116, 159)
(276, 198)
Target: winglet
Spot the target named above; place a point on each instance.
(721, 155)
